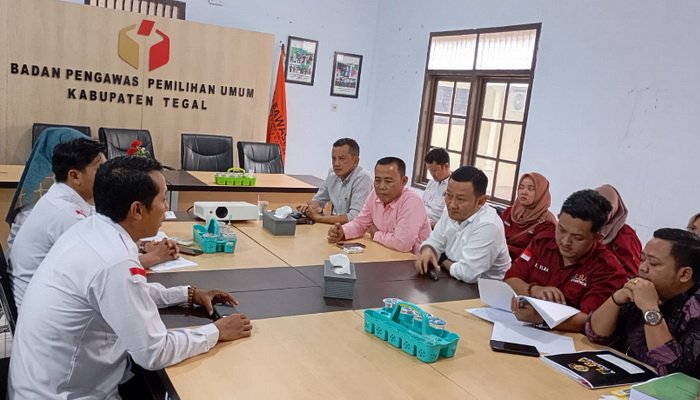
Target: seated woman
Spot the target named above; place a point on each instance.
(529, 215)
(620, 238)
(694, 224)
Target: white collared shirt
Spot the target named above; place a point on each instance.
(87, 308)
(59, 209)
(434, 199)
(477, 245)
(347, 195)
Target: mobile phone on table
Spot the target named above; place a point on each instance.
(223, 310)
(190, 251)
(514, 348)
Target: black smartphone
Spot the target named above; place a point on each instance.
(514, 348)
(223, 310)
(350, 244)
(190, 251)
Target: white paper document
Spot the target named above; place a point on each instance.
(175, 264)
(546, 342)
(170, 215)
(496, 294)
(499, 294)
(495, 315)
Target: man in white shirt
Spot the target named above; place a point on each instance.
(470, 235)
(74, 164)
(437, 162)
(346, 187)
(89, 306)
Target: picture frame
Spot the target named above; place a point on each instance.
(347, 69)
(301, 60)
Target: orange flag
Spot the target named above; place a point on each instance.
(277, 121)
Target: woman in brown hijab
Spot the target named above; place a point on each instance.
(620, 238)
(694, 224)
(529, 215)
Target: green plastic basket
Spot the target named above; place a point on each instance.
(416, 338)
(209, 238)
(235, 177)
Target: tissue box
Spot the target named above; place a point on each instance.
(338, 286)
(279, 226)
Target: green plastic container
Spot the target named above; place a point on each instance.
(416, 338)
(210, 239)
(235, 177)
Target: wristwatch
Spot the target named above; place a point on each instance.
(142, 247)
(653, 317)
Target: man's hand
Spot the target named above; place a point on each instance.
(623, 295)
(158, 252)
(425, 260)
(207, 297)
(232, 327)
(644, 294)
(335, 233)
(372, 230)
(524, 312)
(549, 293)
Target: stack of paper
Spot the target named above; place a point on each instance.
(178, 263)
(499, 294)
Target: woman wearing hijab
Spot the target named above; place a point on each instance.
(694, 224)
(529, 215)
(620, 238)
(37, 177)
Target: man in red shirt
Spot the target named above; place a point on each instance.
(570, 266)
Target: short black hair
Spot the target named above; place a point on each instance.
(437, 155)
(588, 205)
(75, 154)
(474, 175)
(685, 248)
(123, 180)
(394, 160)
(351, 143)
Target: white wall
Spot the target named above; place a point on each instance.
(614, 98)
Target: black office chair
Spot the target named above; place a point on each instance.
(7, 298)
(206, 152)
(118, 141)
(39, 127)
(260, 157)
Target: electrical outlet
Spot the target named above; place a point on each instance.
(216, 2)
(334, 107)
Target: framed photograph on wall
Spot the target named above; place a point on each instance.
(346, 74)
(301, 60)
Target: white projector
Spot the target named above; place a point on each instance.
(225, 210)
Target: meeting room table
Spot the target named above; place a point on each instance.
(307, 346)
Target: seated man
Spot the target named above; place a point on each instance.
(346, 187)
(570, 266)
(470, 234)
(655, 317)
(437, 162)
(393, 215)
(89, 307)
(74, 165)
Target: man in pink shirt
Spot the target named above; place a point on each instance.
(393, 215)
